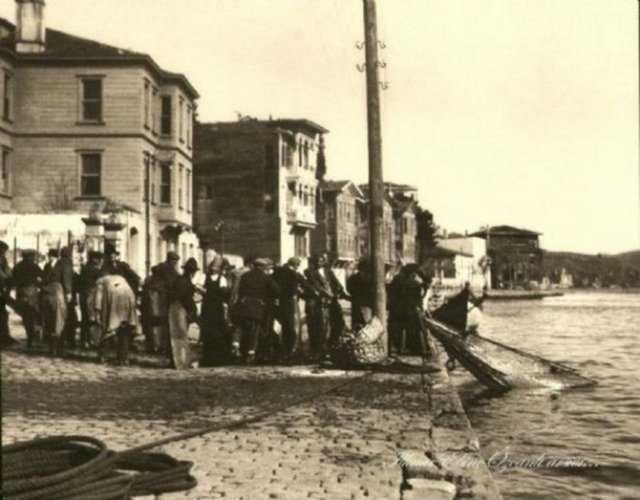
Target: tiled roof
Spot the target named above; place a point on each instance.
(63, 47)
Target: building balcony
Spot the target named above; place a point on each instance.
(301, 215)
(297, 173)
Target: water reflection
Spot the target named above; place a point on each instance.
(595, 333)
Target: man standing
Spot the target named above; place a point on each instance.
(27, 279)
(360, 288)
(292, 285)
(114, 266)
(57, 296)
(182, 312)
(5, 284)
(234, 309)
(324, 315)
(89, 275)
(406, 293)
(255, 292)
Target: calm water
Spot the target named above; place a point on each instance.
(598, 333)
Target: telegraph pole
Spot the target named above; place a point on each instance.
(376, 186)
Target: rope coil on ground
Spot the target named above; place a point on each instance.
(83, 468)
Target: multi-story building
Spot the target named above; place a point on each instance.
(389, 253)
(256, 185)
(86, 126)
(339, 212)
(404, 227)
(515, 255)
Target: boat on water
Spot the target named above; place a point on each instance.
(496, 365)
(521, 294)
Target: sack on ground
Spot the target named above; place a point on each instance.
(362, 347)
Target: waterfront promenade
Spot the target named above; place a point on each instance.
(347, 444)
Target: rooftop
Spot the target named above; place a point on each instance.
(247, 123)
(63, 48)
(505, 231)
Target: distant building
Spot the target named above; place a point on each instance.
(404, 227)
(256, 186)
(339, 214)
(475, 247)
(450, 268)
(86, 125)
(515, 255)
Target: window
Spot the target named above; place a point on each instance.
(6, 103)
(188, 190)
(165, 183)
(154, 111)
(152, 186)
(90, 177)
(306, 155)
(180, 185)
(147, 97)
(181, 119)
(5, 178)
(189, 122)
(300, 243)
(166, 125)
(92, 99)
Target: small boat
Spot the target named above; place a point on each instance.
(497, 366)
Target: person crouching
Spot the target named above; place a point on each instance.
(114, 309)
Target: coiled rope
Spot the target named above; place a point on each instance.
(82, 467)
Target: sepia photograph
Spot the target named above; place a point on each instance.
(320, 249)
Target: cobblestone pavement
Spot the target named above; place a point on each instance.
(340, 446)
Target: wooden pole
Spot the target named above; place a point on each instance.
(376, 186)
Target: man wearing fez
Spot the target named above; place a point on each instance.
(5, 284)
(57, 297)
(27, 280)
(292, 285)
(256, 291)
(324, 314)
(89, 275)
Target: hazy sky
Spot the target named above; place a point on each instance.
(513, 112)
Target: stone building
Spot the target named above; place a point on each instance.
(85, 125)
(256, 186)
(339, 213)
(515, 256)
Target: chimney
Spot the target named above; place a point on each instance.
(30, 30)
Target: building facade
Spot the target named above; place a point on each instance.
(339, 212)
(479, 274)
(388, 240)
(257, 185)
(515, 256)
(450, 268)
(85, 125)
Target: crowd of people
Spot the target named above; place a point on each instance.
(247, 314)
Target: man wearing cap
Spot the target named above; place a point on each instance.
(89, 275)
(182, 311)
(27, 280)
(5, 284)
(292, 285)
(256, 292)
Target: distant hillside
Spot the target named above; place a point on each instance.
(605, 270)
